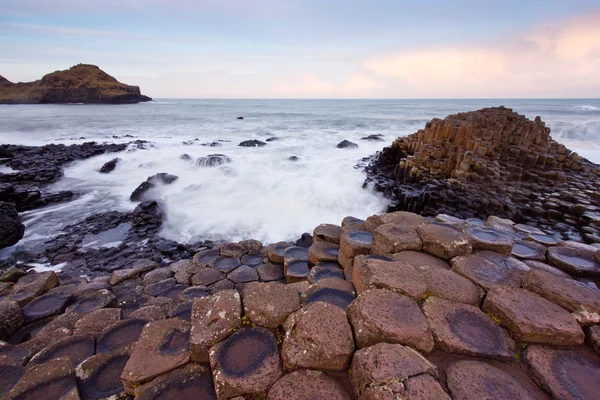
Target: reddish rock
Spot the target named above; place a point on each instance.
(327, 233)
(96, 321)
(324, 270)
(379, 315)
(269, 304)
(303, 384)
(337, 292)
(276, 250)
(234, 250)
(425, 387)
(392, 238)
(14, 353)
(543, 239)
(566, 374)
(465, 329)
(372, 273)
(150, 313)
(121, 275)
(529, 251)
(252, 245)
(157, 275)
(246, 363)
(532, 264)
(352, 244)
(574, 261)
(225, 264)
(383, 363)
(119, 335)
(76, 348)
(33, 285)
(192, 382)
(269, 272)
(214, 318)
(444, 241)
(592, 337)
(531, 318)
(400, 218)
(10, 373)
(489, 239)
(206, 277)
(468, 380)
(317, 337)
(162, 347)
(193, 292)
(243, 274)
(296, 270)
(352, 224)
(11, 318)
(45, 306)
(184, 270)
(52, 380)
(576, 297)
(203, 258)
(92, 301)
(487, 271)
(100, 376)
(323, 251)
(419, 259)
(451, 286)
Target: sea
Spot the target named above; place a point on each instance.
(261, 194)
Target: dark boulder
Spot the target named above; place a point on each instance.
(272, 139)
(252, 143)
(375, 138)
(109, 166)
(151, 182)
(185, 157)
(346, 144)
(293, 158)
(11, 229)
(240, 117)
(213, 160)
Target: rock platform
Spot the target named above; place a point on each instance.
(412, 307)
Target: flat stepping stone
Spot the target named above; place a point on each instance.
(531, 318)
(449, 285)
(372, 273)
(95, 322)
(418, 387)
(352, 244)
(295, 253)
(33, 285)
(334, 296)
(162, 347)
(192, 382)
(246, 363)
(525, 250)
(15, 354)
(327, 233)
(174, 292)
(489, 239)
(465, 329)
(203, 258)
(393, 238)
(99, 376)
(157, 275)
(149, 313)
(270, 272)
(214, 318)
(352, 224)
(542, 239)
(243, 274)
(537, 265)
(276, 250)
(576, 297)
(121, 275)
(488, 271)
(269, 304)
(468, 380)
(207, 276)
(296, 270)
(194, 292)
(10, 373)
(572, 260)
(52, 380)
(324, 270)
(303, 384)
(45, 306)
(92, 302)
(566, 374)
(234, 250)
(323, 251)
(77, 348)
(182, 311)
(318, 336)
(158, 288)
(420, 259)
(383, 363)
(225, 264)
(450, 220)
(253, 260)
(527, 229)
(402, 218)
(379, 315)
(444, 241)
(475, 222)
(11, 317)
(121, 334)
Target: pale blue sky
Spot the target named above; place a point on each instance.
(313, 49)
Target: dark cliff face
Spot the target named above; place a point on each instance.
(80, 84)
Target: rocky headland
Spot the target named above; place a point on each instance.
(82, 83)
(456, 305)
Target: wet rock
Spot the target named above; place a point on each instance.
(13, 354)
(323, 251)
(213, 160)
(444, 241)
(566, 374)
(317, 337)
(99, 376)
(418, 259)
(184, 270)
(157, 275)
(10, 373)
(192, 382)
(109, 166)
(383, 363)
(352, 244)
(193, 292)
(574, 261)
(275, 251)
(327, 233)
(206, 277)
(253, 260)
(246, 363)
(11, 318)
(95, 322)
(392, 238)
(465, 329)
(529, 251)
(223, 284)
(323, 270)
(489, 239)
(214, 318)
(243, 274)
(76, 348)
(150, 183)
(45, 306)
(374, 137)
(346, 144)
(338, 295)
(234, 250)
(488, 270)
(536, 265)
(32, 286)
(543, 239)
(352, 224)
(119, 335)
(400, 218)
(159, 288)
(12, 274)
(269, 272)
(225, 264)
(296, 270)
(149, 313)
(52, 380)
(478, 380)
(379, 315)
(11, 228)
(303, 384)
(372, 273)
(185, 157)
(121, 275)
(576, 297)
(269, 304)
(162, 347)
(93, 301)
(88, 288)
(531, 318)
(252, 143)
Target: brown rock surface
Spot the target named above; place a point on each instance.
(75, 348)
(119, 335)
(574, 261)
(306, 384)
(192, 382)
(121, 275)
(318, 336)
(323, 251)
(327, 233)
(444, 241)
(33, 285)
(401, 218)
(485, 238)
(269, 304)
(393, 238)
(352, 244)
(52, 380)
(379, 315)
(531, 318)
(487, 271)
(11, 318)
(100, 376)
(451, 286)
(420, 259)
(529, 251)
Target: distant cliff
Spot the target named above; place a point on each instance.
(82, 83)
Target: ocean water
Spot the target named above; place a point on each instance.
(261, 194)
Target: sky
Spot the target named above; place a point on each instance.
(313, 48)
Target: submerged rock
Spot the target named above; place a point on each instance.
(252, 143)
(150, 183)
(346, 144)
(11, 229)
(213, 160)
(109, 166)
